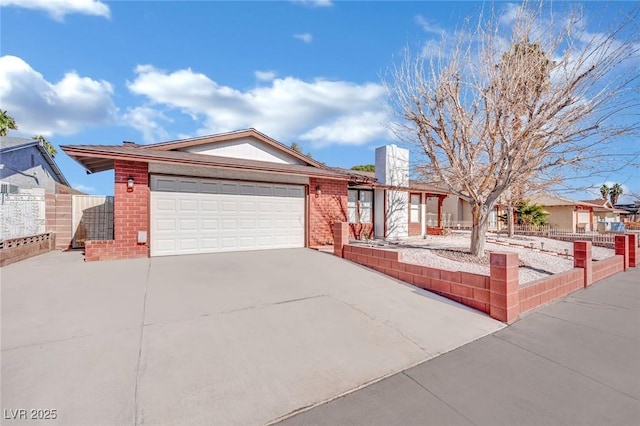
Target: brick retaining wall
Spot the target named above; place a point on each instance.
(498, 294)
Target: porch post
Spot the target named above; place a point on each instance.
(440, 200)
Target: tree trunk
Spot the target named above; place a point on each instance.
(480, 216)
(510, 220)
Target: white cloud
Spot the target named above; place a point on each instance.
(356, 129)
(429, 26)
(42, 107)
(265, 75)
(314, 3)
(58, 9)
(83, 188)
(320, 111)
(146, 120)
(305, 37)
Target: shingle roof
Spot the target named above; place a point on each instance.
(551, 201)
(9, 143)
(12, 142)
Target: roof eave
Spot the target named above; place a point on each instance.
(81, 157)
(49, 159)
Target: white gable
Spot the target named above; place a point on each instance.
(247, 148)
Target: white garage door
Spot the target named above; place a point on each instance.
(204, 216)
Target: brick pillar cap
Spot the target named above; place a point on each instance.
(500, 258)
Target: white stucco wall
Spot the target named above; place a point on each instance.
(397, 214)
(245, 148)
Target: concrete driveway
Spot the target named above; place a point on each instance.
(234, 338)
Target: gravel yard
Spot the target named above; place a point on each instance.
(448, 252)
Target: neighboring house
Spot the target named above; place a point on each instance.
(26, 164)
(567, 214)
(245, 191)
(631, 212)
(605, 212)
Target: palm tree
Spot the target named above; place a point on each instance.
(47, 145)
(531, 214)
(604, 191)
(615, 192)
(6, 122)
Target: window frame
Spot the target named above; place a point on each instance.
(358, 213)
(419, 207)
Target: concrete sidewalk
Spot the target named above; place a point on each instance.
(575, 362)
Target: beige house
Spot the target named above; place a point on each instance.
(567, 214)
(605, 212)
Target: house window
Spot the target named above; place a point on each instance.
(360, 206)
(414, 215)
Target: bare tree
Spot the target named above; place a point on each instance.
(542, 104)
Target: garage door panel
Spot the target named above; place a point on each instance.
(248, 224)
(229, 206)
(188, 186)
(188, 243)
(296, 192)
(229, 224)
(188, 206)
(168, 245)
(210, 206)
(210, 225)
(229, 242)
(264, 190)
(166, 205)
(210, 188)
(224, 216)
(186, 225)
(209, 243)
(248, 206)
(230, 188)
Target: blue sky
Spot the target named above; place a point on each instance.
(98, 72)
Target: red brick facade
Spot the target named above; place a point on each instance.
(131, 215)
(326, 209)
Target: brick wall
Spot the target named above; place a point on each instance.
(415, 229)
(131, 214)
(607, 267)
(545, 290)
(58, 219)
(498, 294)
(326, 209)
(463, 287)
(634, 252)
(466, 288)
(622, 249)
(17, 249)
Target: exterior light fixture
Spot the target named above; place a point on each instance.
(318, 191)
(130, 183)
